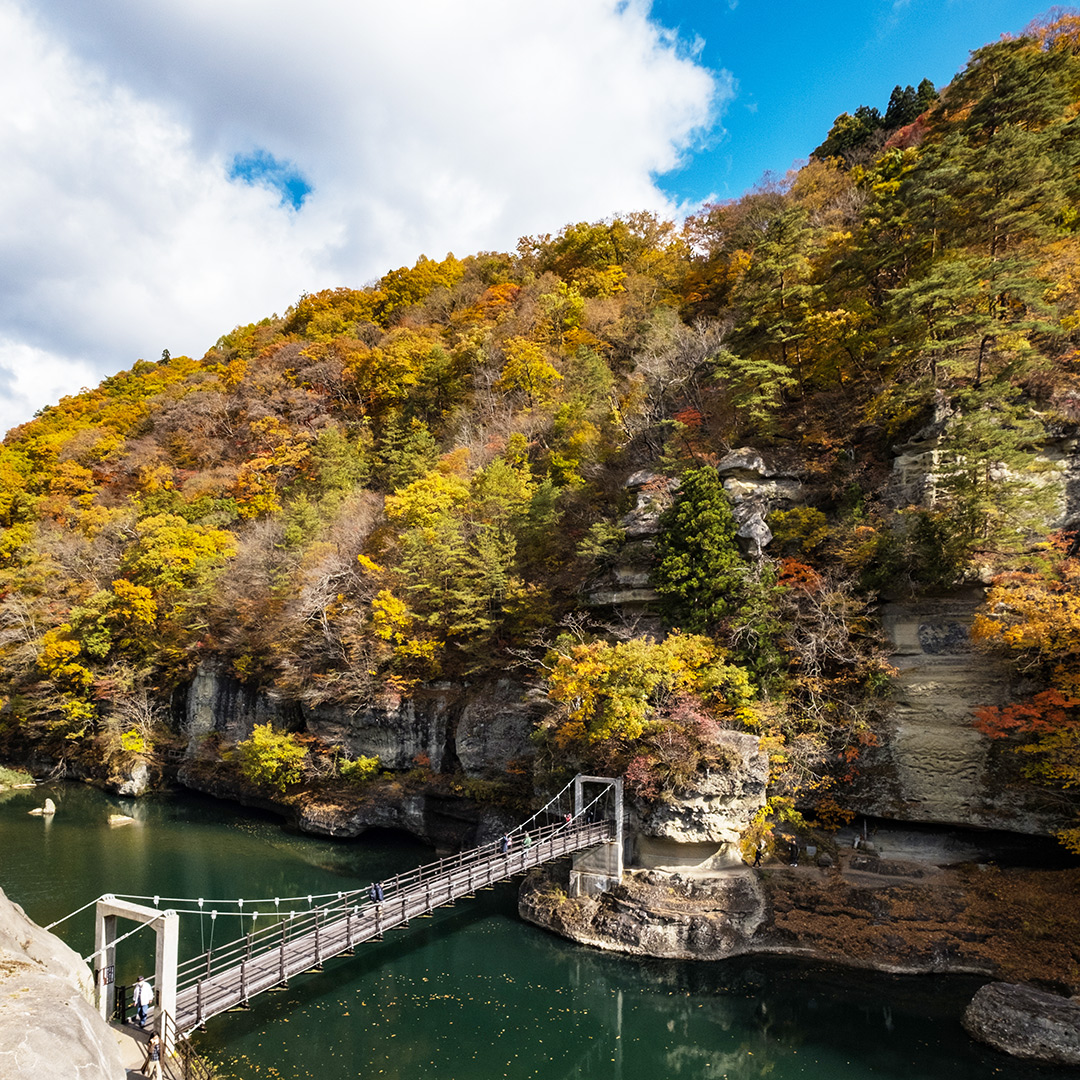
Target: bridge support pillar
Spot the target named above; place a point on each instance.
(600, 868)
(167, 929)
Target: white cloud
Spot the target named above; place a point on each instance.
(30, 378)
(422, 126)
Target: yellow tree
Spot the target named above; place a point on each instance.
(529, 372)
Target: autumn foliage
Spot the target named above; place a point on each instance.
(425, 478)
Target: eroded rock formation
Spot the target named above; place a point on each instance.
(932, 765)
(48, 1028)
(881, 914)
(700, 828)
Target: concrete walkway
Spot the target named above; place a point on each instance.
(132, 1043)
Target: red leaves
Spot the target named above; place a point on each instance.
(1043, 714)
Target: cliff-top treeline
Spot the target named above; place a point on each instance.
(419, 480)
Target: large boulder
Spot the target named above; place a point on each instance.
(47, 1025)
(1026, 1022)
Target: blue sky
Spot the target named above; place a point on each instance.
(173, 169)
(798, 64)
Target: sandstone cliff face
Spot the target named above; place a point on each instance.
(932, 765)
(48, 1028)
(481, 728)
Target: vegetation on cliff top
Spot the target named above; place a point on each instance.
(419, 479)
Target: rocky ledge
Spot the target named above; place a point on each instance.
(47, 1025)
(1026, 1023)
(887, 915)
(445, 820)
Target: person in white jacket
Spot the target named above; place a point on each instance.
(143, 999)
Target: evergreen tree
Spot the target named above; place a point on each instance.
(987, 477)
(700, 572)
(903, 106)
(706, 585)
(907, 104)
(850, 133)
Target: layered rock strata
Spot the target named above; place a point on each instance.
(700, 829)
(481, 729)
(932, 765)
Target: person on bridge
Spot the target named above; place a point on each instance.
(504, 844)
(527, 842)
(142, 999)
(568, 818)
(153, 1058)
(376, 893)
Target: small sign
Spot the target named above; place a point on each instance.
(107, 975)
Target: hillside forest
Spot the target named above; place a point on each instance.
(420, 481)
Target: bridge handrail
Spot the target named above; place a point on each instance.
(292, 924)
(183, 1062)
(303, 922)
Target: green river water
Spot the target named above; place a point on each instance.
(473, 993)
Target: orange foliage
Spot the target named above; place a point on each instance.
(1042, 714)
(797, 575)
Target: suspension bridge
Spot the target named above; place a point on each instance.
(283, 942)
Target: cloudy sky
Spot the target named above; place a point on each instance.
(173, 168)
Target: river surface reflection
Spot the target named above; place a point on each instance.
(472, 993)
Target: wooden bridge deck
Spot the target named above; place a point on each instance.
(221, 979)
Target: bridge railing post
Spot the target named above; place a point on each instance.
(281, 954)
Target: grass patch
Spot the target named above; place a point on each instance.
(11, 777)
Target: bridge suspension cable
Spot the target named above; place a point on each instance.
(112, 944)
(559, 806)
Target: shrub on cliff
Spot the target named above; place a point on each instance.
(359, 769)
(271, 758)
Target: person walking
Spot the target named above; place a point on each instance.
(376, 892)
(142, 998)
(760, 853)
(153, 1058)
(527, 842)
(504, 844)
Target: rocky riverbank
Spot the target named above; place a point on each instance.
(887, 915)
(427, 810)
